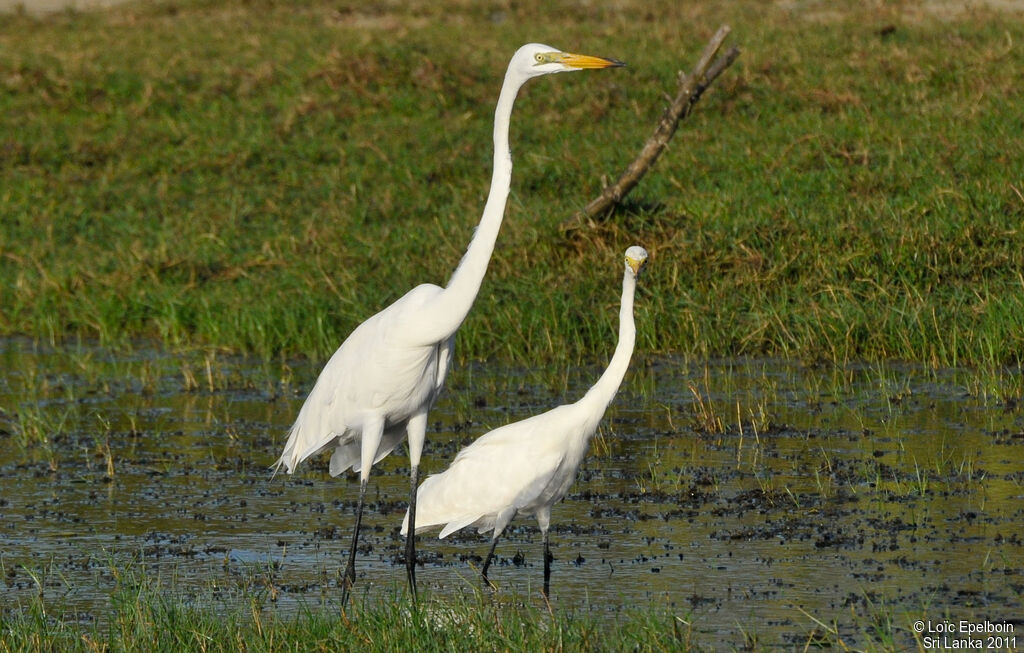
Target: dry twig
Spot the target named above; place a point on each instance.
(691, 87)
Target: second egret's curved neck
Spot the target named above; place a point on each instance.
(458, 296)
(602, 392)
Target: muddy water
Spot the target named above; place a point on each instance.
(747, 496)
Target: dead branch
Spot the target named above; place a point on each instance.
(691, 87)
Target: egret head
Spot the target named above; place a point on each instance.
(636, 258)
(535, 59)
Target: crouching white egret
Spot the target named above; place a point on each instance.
(379, 385)
(528, 466)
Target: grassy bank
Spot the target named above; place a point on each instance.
(161, 625)
(145, 616)
(261, 177)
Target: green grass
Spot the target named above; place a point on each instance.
(394, 626)
(146, 616)
(261, 177)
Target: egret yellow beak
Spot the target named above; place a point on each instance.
(635, 265)
(585, 61)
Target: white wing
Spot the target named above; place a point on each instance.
(510, 469)
(375, 371)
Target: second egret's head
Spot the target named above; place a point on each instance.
(636, 258)
(535, 59)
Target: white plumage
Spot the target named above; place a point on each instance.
(379, 385)
(527, 466)
(381, 371)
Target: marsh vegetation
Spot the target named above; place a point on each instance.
(732, 501)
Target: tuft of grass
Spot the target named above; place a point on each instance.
(705, 417)
(262, 177)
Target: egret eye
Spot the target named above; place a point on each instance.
(545, 58)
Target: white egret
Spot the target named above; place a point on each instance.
(528, 466)
(379, 385)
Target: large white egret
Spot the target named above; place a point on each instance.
(528, 466)
(379, 385)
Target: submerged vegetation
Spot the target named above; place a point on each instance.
(261, 176)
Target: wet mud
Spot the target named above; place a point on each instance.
(746, 496)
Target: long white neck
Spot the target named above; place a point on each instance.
(465, 282)
(602, 392)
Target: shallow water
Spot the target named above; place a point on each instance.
(851, 496)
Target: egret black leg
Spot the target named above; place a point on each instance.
(547, 565)
(490, 557)
(350, 570)
(410, 538)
